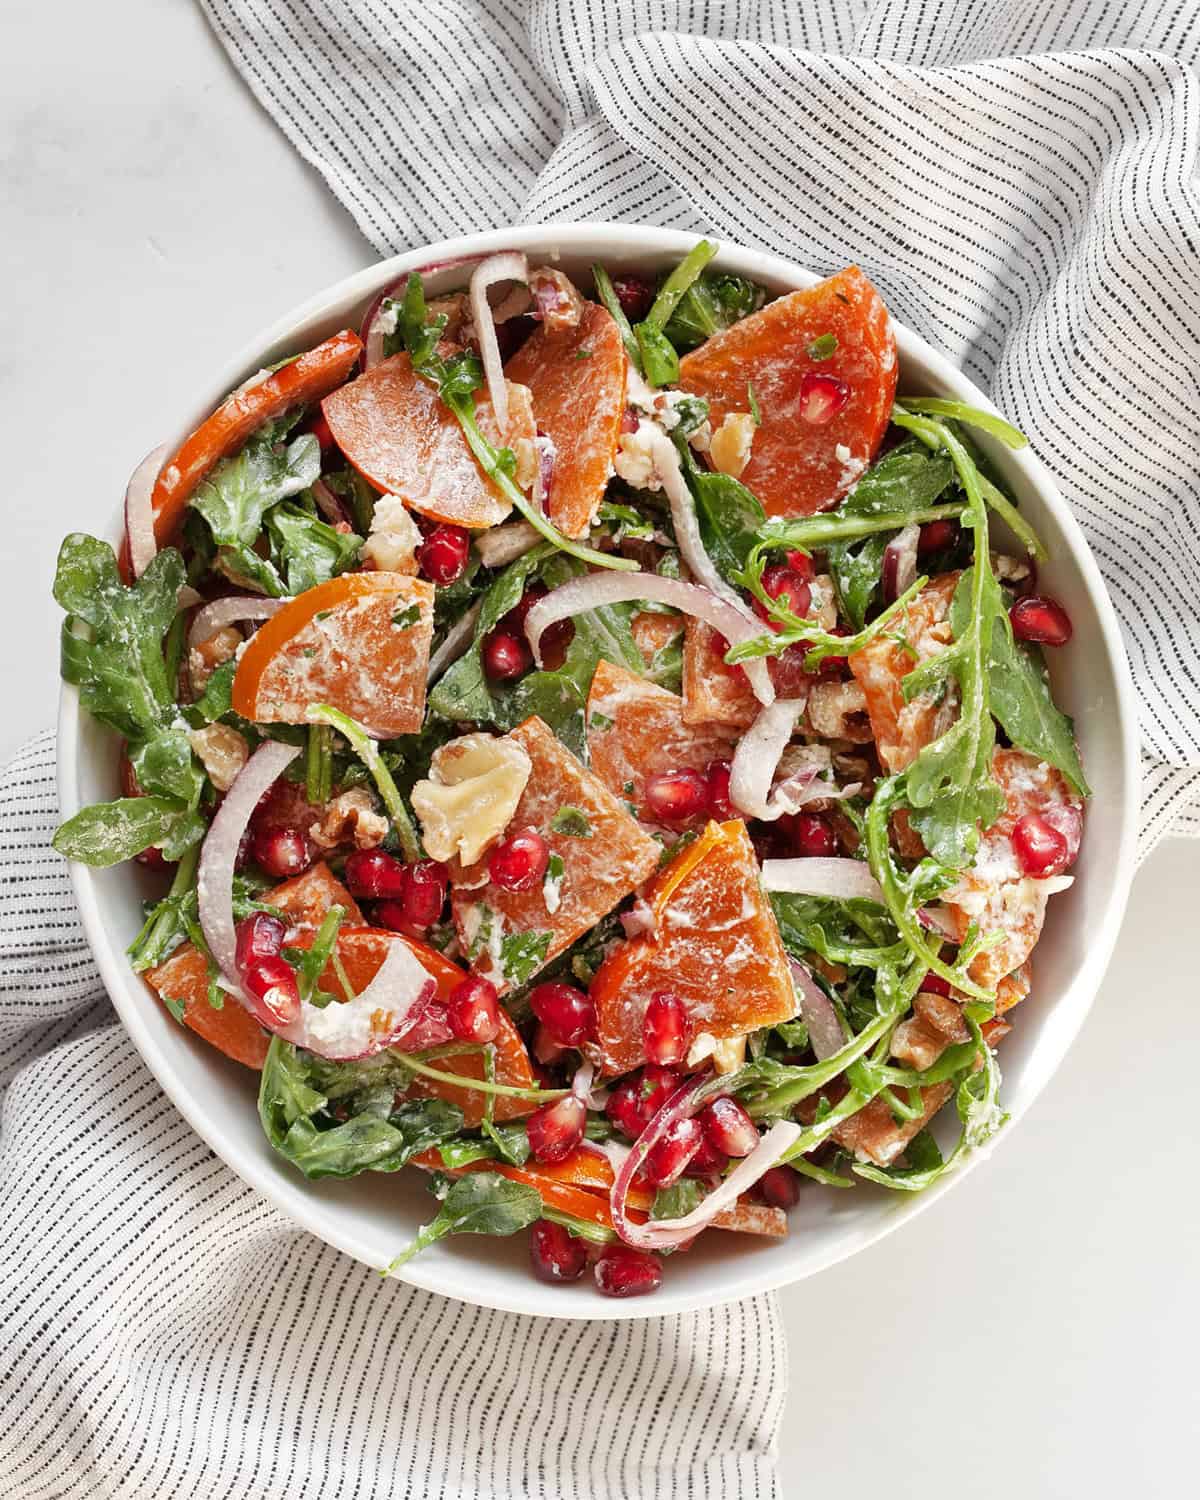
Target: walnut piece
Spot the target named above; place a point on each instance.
(351, 817)
(475, 783)
(222, 751)
(729, 446)
(204, 659)
(838, 711)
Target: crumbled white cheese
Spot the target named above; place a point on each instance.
(392, 545)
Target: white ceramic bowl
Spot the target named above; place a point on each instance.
(371, 1217)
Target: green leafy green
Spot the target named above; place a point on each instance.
(109, 832)
(608, 296)
(715, 301)
(523, 954)
(973, 416)
(479, 1203)
(678, 1200)
(368, 752)
(306, 550)
(730, 517)
(660, 362)
(216, 699)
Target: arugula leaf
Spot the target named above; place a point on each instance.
(217, 698)
(608, 296)
(305, 549)
(730, 517)
(236, 496)
(714, 302)
(522, 954)
(660, 362)
(368, 752)
(109, 832)
(479, 1203)
(677, 1200)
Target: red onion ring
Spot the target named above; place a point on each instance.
(375, 1019)
(596, 589)
(757, 758)
(504, 544)
(899, 570)
(667, 1234)
(207, 621)
(139, 513)
(214, 879)
(329, 504)
(817, 1012)
(509, 265)
(841, 879)
(375, 330)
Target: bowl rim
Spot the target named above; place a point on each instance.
(578, 237)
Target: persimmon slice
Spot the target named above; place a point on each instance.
(577, 379)
(822, 362)
(403, 439)
(304, 380)
(604, 854)
(713, 691)
(714, 944)
(636, 730)
(359, 642)
(183, 976)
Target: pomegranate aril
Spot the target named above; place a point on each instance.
(518, 863)
(717, 779)
(1041, 620)
(780, 1187)
(424, 892)
(514, 620)
(152, 859)
(787, 588)
(671, 1154)
(374, 875)
(556, 1129)
(391, 914)
(812, 835)
(622, 1271)
(567, 1013)
(707, 1162)
(801, 564)
(657, 1084)
(728, 1128)
(443, 554)
(258, 936)
(666, 1029)
(934, 984)
(548, 1051)
(472, 1012)
(937, 536)
(675, 796)
(272, 991)
(623, 1106)
(635, 294)
(1040, 849)
(282, 852)
(822, 397)
(555, 1253)
(505, 656)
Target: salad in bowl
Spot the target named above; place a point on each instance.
(594, 745)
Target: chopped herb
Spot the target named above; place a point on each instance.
(572, 821)
(176, 1007)
(824, 347)
(601, 723)
(523, 954)
(753, 400)
(406, 617)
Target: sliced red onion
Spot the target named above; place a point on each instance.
(667, 1234)
(510, 265)
(207, 621)
(581, 1087)
(458, 638)
(817, 1012)
(597, 589)
(1053, 884)
(375, 1019)
(214, 880)
(900, 563)
(504, 544)
(139, 513)
(937, 919)
(378, 323)
(188, 598)
(757, 758)
(638, 919)
(329, 504)
(842, 879)
(547, 457)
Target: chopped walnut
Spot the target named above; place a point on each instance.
(838, 711)
(634, 458)
(204, 659)
(394, 539)
(936, 1021)
(729, 447)
(457, 309)
(823, 605)
(556, 299)
(351, 817)
(475, 783)
(727, 1053)
(222, 751)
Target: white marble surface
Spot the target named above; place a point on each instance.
(1034, 1333)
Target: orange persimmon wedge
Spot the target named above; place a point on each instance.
(402, 438)
(577, 380)
(713, 691)
(804, 354)
(306, 379)
(714, 944)
(353, 642)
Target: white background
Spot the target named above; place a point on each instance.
(1035, 1333)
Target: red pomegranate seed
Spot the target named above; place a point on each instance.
(374, 875)
(471, 1010)
(624, 1107)
(936, 536)
(319, 428)
(1040, 848)
(505, 656)
(567, 1013)
(555, 1253)
(787, 588)
(707, 1162)
(671, 1155)
(822, 397)
(556, 1129)
(282, 852)
(258, 936)
(443, 554)
(547, 1051)
(270, 984)
(666, 1029)
(717, 777)
(391, 914)
(629, 420)
(812, 835)
(518, 863)
(635, 294)
(676, 796)
(656, 1083)
(780, 1187)
(153, 859)
(802, 565)
(424, 892)
(622, 1271)
(728, 1128)
(1040, 619)
(514, 620)
(934, 984)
